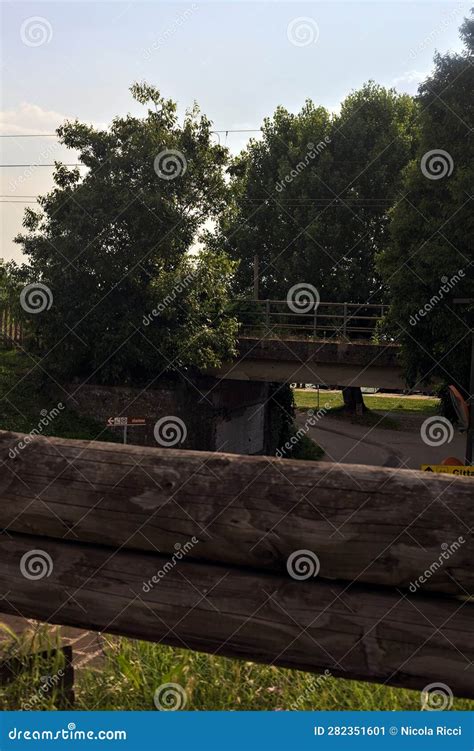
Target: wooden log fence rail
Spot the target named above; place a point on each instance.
(362, 571)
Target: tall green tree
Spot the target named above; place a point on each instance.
(429, 261)
(373, 138)
(111, 244)
(311, 197)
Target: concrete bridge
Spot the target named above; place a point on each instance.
(333, 363)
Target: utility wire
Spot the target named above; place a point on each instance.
(55, 135)
(43, 165)
(28, 135)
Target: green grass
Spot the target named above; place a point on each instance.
(132, 671)
(305, 399)
(27, 394)
(307, 449)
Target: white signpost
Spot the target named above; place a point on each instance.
(124, 422)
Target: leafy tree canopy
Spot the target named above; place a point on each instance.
(113, 243)
(428, 262)
(311, 197)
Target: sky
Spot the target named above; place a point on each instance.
(239, 60)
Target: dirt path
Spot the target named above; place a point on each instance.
(346, 442)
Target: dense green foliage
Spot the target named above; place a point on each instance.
(311, 197)
(27, 394)
(429, 261)
(112, 244)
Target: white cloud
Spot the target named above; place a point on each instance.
(30, 118)
(410, 80)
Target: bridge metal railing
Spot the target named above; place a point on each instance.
(325, 319)
(11, 331)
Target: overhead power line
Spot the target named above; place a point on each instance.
(42, 165)
(55, 135)
(28, 135)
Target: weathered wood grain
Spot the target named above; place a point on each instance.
(371, 634)
(374, 525)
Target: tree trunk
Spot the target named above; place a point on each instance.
(353, 400)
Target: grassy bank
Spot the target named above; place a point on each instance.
(28, 394)
(131, 672)
(305, 399)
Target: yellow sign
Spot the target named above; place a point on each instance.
(449, 469)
